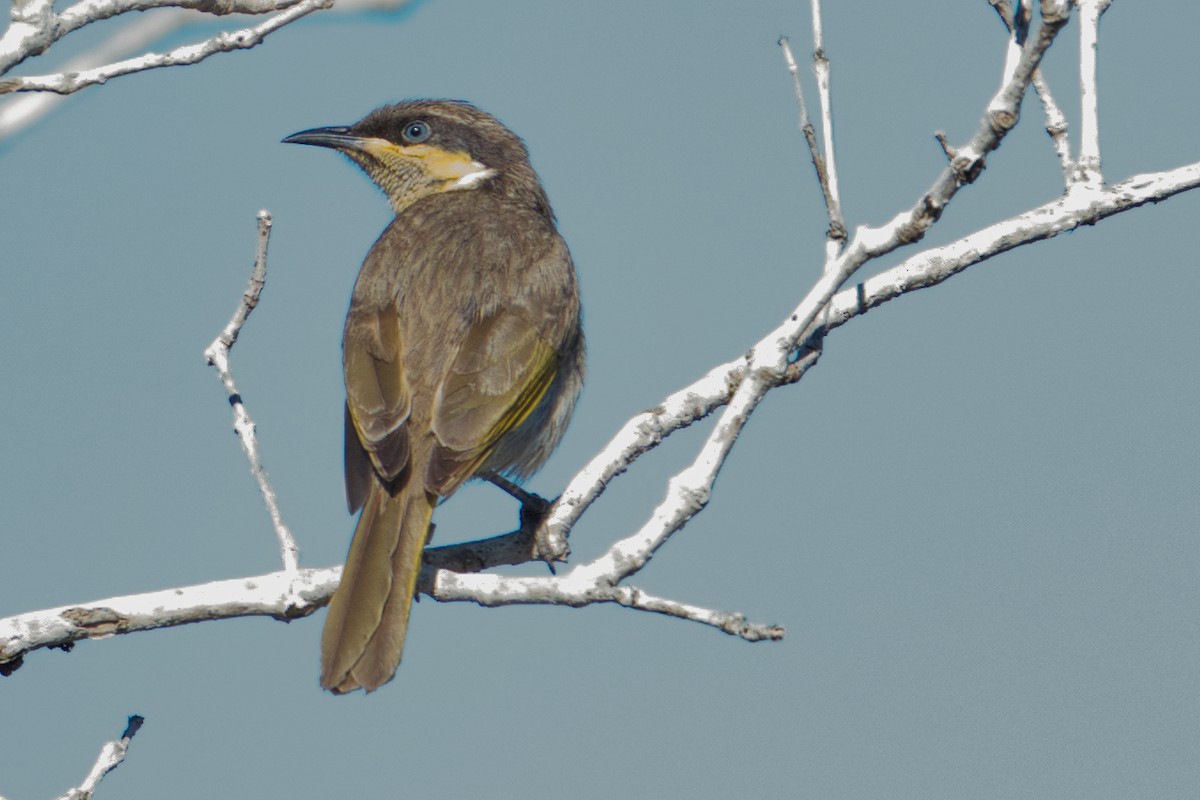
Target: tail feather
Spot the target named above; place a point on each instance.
(364, 631)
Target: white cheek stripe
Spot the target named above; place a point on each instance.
(471, 178)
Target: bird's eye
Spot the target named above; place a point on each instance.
(417, 132)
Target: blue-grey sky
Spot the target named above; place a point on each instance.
(977, 517)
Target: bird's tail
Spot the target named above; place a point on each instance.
(368, 615)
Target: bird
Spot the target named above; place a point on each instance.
(463, 353)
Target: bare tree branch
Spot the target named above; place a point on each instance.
(1087, 168)
(111, 756)
(767, 363)
(227, 41)
(1056, 124)
(931, 267)
(35, 28)
(836, 233)
(1056, 121)
(19, 112)
(217, 355)
(282, 595)
(837, 237)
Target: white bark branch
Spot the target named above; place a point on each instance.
(820, 66)
(931, 267)
(18, 113)
(86, 12)
(111, 756)
(768, 362)
(1056, 121)
(282, 595)
(35, 28)
(1018, 27)
(835, 235)
(1088, 173)
(1056, 126)
(217, 356)
(224, 42)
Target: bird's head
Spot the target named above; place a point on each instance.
(418, 148)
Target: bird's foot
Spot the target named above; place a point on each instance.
(534, 508)
(549, 548)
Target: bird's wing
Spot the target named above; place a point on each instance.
(378, 401)
(497, 378)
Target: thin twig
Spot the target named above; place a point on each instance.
(947, 148)
(227, 41)
(1056, 121)
(217, 355)
(837, 237)
(35, 28)
(730, 622)
(1056, 124)
(85, 12)
(1088, 173)
(19, 112)
(1018, 28)
(111, 756)
(1062, 215)
(833, 232)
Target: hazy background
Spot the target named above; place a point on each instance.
(977, 516)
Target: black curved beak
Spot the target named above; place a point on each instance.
(337, 137)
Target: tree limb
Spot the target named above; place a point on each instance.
(111, 756)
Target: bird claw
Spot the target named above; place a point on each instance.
(549, 548)
(534, 508)
(533, 511)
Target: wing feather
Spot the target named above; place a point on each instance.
(378, 398)
(498, 377)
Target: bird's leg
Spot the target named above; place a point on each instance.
(532, 516)
(511, 488)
